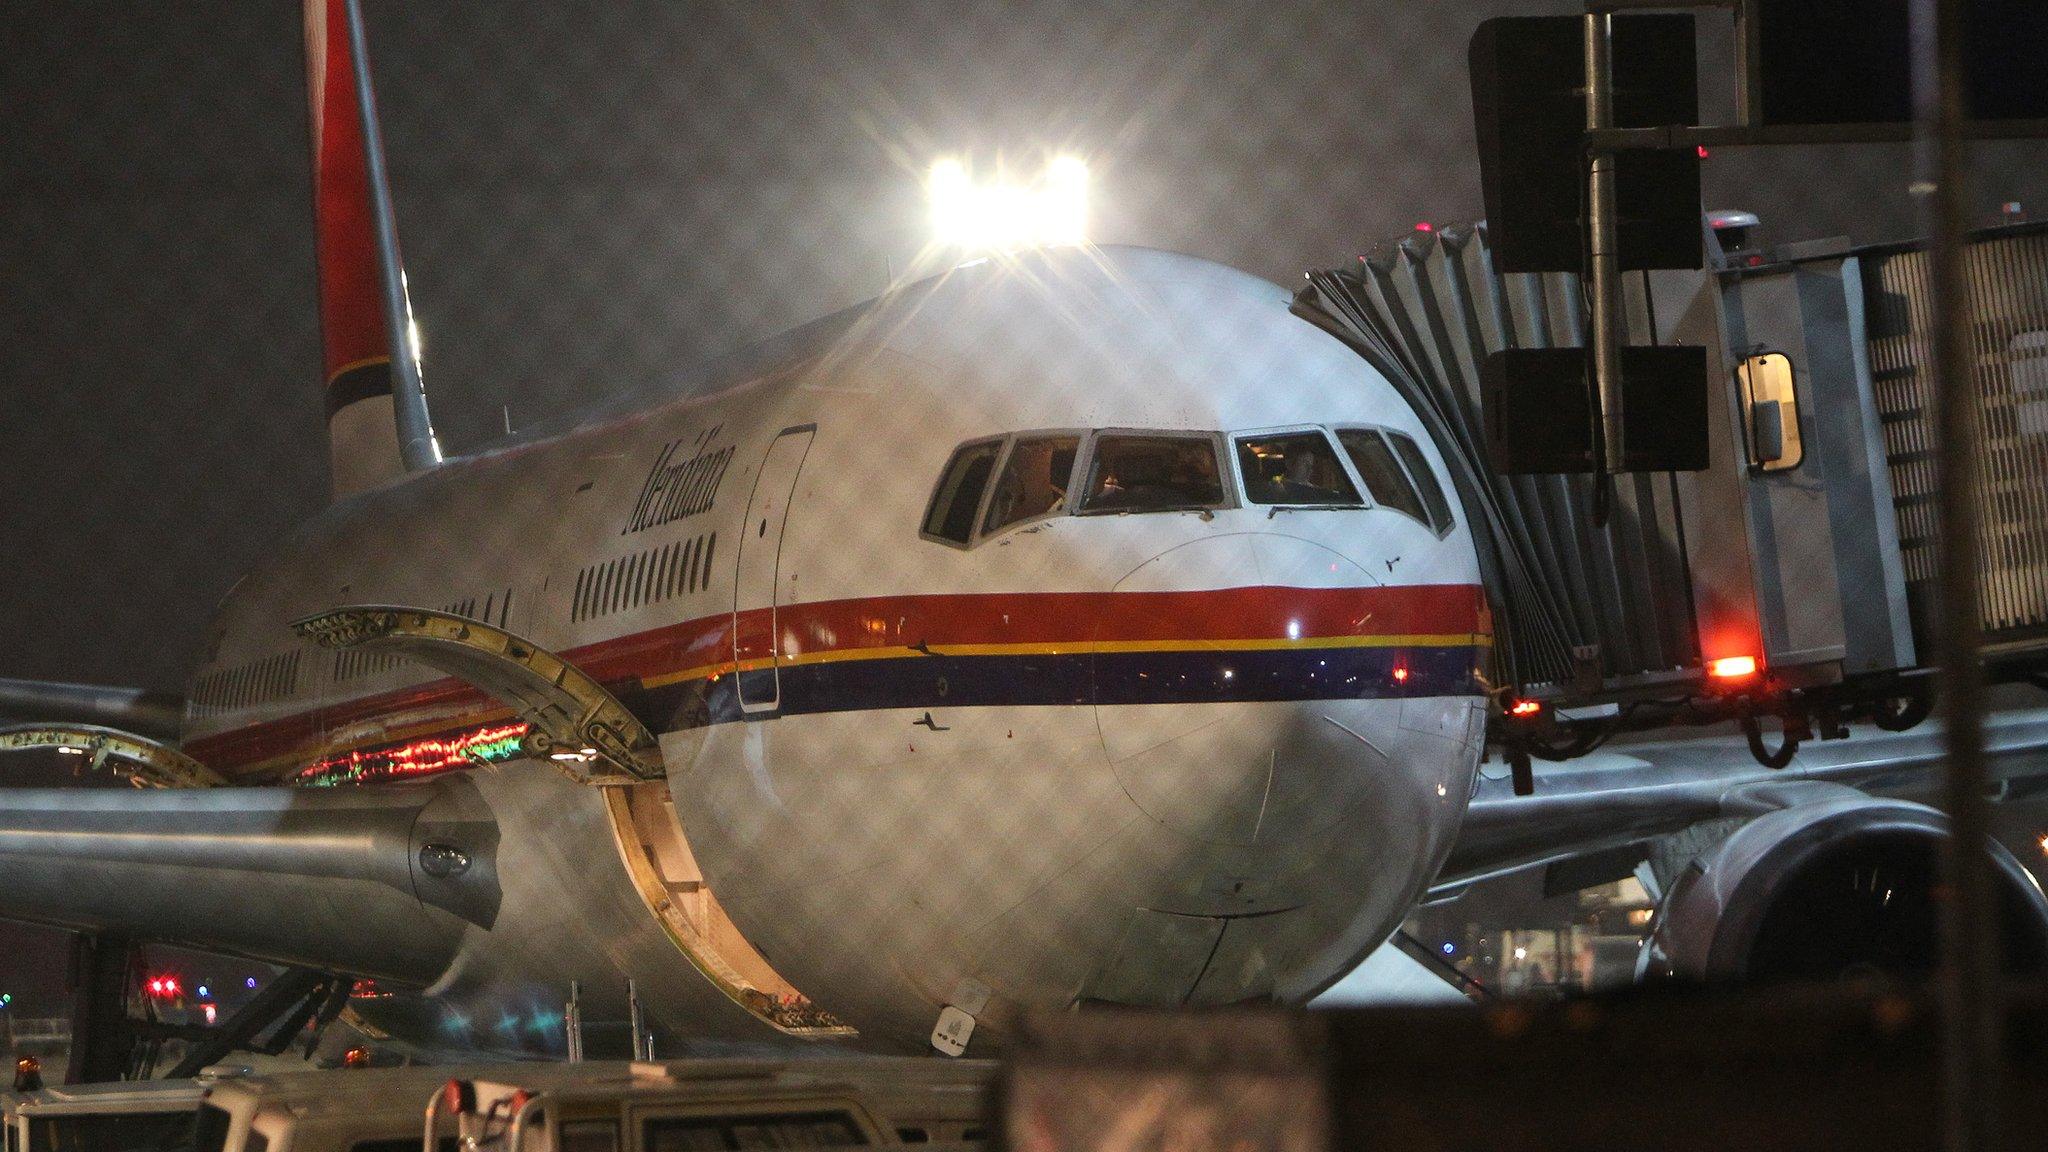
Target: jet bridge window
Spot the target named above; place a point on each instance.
(1770, 411)
(951, 516)
(1133, 473)
(1034, 483)
(1299, 468)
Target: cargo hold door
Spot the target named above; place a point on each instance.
(755, 637)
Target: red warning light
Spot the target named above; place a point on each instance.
(164, 987)
(1732, 667)
(1524, 709)
(459, 1097)
(1400, 673)
(1702, 151)
(1424, 226)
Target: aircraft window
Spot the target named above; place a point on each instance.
(951, 516)
(1418, 470)
(1293, 468)
(1382, 474)
(1034, 481)
(1153, 474)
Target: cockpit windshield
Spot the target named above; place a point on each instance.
(991, 486)
(1299, 468)
(1034, 481)
(1134, 473)
(951, 516)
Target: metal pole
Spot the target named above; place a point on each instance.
(643, 1044)
(1971, 1000)
(1602, 261)
(417, 447)
(572, 1021)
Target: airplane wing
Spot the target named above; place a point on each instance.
(1838, 843)
(137, 710)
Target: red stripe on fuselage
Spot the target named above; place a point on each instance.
(1221, 615)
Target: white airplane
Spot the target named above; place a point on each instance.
(1075, 627)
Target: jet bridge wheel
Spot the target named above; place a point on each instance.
(574, 721)
(154, 765)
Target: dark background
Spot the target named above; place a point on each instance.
(592, 195)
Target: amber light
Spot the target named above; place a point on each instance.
(1524, 708)
(1732, 667)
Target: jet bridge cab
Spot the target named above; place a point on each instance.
(1790, 581)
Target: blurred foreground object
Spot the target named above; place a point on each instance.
(1795, 1068)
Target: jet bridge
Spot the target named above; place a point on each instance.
(1794, 576)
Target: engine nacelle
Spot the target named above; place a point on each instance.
(1828, 890)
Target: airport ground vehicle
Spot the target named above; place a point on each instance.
(344, 1110)
(128, 1116)
(644, 1107)
(597, 1105)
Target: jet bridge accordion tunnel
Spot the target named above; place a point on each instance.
(1794, 576)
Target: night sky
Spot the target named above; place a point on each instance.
(591, 196)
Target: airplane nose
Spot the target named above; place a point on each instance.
(1242, 774)
(1247, 750)
(1299, 793)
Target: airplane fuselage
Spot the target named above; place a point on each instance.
(1126, 748)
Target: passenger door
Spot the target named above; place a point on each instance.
(755, 638)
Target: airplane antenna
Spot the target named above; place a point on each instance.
(417, 447)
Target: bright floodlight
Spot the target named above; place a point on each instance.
(1002, 217)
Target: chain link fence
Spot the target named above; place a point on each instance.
(592, 197)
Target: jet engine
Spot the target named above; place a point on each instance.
(1826, 890)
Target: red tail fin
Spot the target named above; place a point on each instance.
(354, 305)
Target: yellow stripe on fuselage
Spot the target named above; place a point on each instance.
(1076, 648)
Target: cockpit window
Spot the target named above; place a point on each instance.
(1293, 468)
(1425, 480)
(951, 516)
(1134, 473)
(1389, 482)
(1034, 482)
(1383, 475)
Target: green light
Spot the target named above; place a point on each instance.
(490, 744)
